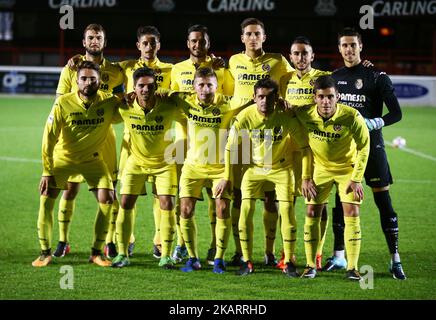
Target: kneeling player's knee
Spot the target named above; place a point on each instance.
(186, 210)
(166, 203)
(222, 209)
(71, 192)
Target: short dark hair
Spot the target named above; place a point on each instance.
(143, 72)
(301, 40)
(95, 27)
(268, 84)
(143, 30)
(204, 72)
(250, 21)
(324, 82)
(349, 32)
(88, 65)
(198, 28)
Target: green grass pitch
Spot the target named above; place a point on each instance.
(413, 194)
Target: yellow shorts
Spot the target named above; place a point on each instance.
(324, 181)
(256, 181)
(95, 172)
(109, 155)
(194, 179)
(135, 176)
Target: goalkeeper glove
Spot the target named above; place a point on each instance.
(374, 124)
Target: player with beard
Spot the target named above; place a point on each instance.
(75, 132)
(94, 41)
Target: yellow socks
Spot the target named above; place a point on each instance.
(311, 239)
(124, 227)
(110, 237)
(45, 221)
(323, 232)
(211, 210)
(288, 229)
(157, 221)
(188, 229)
(353, 238)
(235, 213)
(65, 213)
(246, 228)
(167, 230)
(223, 228)
(101, 225)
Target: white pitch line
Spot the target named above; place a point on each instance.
(19, 159)
(414, 152)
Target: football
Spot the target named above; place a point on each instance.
(399, 142)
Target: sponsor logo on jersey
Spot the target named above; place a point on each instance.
(146, 127)
(266, 67)
(267, 134)
(203, 119)
(241, 67)
(75, 114)
(87, 122)
(293, 91)
(188, 82)
(358, 84)
(252, 77)
(186, 72)
(342, 82)
(352, 97)
(326, 134)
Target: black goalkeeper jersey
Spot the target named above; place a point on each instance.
(365, 89)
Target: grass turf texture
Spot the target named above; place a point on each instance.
(21, 126)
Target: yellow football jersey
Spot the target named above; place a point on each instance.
(338, 143)
(162, 70)
(76, 130)
(182, 76)
(267, 136)
(207, 128)
(111, 78)
(298, 91)
(149, 136)
(245, 72)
